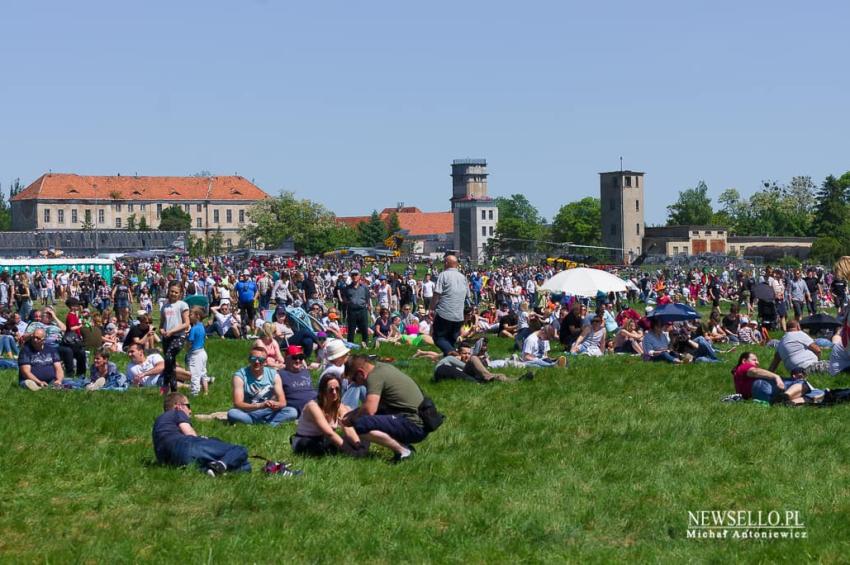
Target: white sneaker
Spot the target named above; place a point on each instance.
(31, 385)
(96, 385)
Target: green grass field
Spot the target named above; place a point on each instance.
(601, 461)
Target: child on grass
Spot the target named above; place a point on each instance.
(196, 358)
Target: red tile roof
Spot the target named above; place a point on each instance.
(71, 187)
(414, 223)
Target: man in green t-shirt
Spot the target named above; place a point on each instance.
(390, 414)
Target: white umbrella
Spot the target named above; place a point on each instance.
(584, 282)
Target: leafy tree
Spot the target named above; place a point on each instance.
(143, 224)
(520, 225)
(826, 250)
(5, 213)
(692, 208)
(373, 231)
(215, 243)
(393, 226)
(87, 224)
(578, 222)
(174, 218)
(312, 227)
(830, 214)
(131, 222)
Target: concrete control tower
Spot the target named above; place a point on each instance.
(475, 213)
(621, 199)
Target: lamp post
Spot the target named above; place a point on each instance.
(94, 219)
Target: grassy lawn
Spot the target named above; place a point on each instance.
(598, 462)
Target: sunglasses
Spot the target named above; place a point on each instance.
(255, 359)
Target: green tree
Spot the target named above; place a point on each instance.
(214, 243)
(826, 250)
(373, 231)
(174, 218)
(578, 222)
(131, 223)
(520, 224)
(5, 213)
(393, 225)
(830, 215)
(143, 224)
(312, 227)
(693, 207)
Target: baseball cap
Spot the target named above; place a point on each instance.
(246, 272)
(354, 272)
(321, 335)
(294, 350)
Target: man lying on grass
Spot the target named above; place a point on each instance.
(175, 442)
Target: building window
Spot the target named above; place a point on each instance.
(142, 207)
(197, 208)
(613, 229)
(490, 214)
(675, 250)
(491, 230)
(47, 215)
(637, 205)
(118, 223)
(229, 214)
(101, 217)
(707, 232)
(88, 216)
(628, 181)
(695, 233)
(241, 216)
(186, 208)
(215, 216)
(637, 229)
(74, 216)
(118, 207)
(228, 242)
(483, 214)
(158, 211)
(129, 207)
(197, 222)
(484, 231)
(60, 216)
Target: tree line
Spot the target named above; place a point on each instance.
(798, 208)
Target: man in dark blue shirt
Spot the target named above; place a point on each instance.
(38, 366)
(297, 383)
(175, 441)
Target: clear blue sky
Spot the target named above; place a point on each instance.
(359, 105)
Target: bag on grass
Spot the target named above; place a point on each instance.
(431, 418)
(71, 339)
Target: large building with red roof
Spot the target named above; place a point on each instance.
(429, 231)
(58, 201)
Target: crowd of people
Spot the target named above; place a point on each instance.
(314, 316)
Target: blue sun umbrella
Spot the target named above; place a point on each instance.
(674, 312)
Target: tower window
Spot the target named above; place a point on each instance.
(491, 229)
(47, 215)
(484, 230)
(483, 214)
(637, 205)
(637, 229)
(628, 181)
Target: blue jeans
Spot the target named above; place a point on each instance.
(268, 416)
(540, 363)
(705, 353)
(353, 395)
(8, 344)
(445, 334)
(25, 310)
(663, 356)
(203, 451)
(8, 364)
(764, 389)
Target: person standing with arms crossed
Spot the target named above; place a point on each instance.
(447, 305)
(357, 305)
